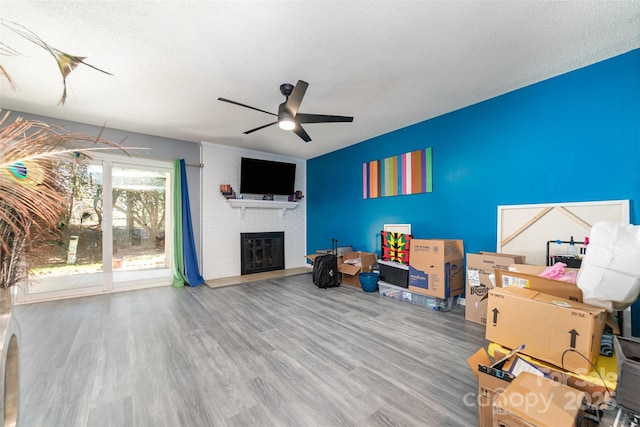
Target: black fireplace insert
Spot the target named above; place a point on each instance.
(261, 252)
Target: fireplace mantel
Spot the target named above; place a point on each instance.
(243, 204)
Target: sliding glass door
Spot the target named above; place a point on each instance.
(140, 207)
(113, 236)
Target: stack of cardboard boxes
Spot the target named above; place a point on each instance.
(480, 267)
(433, 278)
(436, 268)
(557, 337)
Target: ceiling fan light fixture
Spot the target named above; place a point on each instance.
(286, 124)
(288, 116)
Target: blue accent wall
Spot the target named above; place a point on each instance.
(575, 137)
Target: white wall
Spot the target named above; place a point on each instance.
(222, 225)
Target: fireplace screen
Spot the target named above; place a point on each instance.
(261, 252)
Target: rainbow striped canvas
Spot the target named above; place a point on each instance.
(408, 173)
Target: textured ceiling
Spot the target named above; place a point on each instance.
(388, 64)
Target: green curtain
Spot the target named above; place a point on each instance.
(187, 271)
(179, 278)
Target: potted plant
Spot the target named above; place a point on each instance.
(31, 208)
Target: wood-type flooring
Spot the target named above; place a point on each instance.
(277, 352)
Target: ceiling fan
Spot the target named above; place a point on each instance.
(288, 116)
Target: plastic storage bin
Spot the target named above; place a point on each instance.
(402, 294)
(628, 354)
(369, 281)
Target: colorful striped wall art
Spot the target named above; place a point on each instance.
(408, 173)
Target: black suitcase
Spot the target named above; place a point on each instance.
(325, 268)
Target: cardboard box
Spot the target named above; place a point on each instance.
(479, 267)
(492, 381)
(537, 270)
(494, 378)
(350, 272)
(312, 257)
(598, 383)
(553, 329)
(558, 288)
(436, 267)
(531, 400)
(533, 269)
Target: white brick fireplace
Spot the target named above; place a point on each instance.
(222, 223)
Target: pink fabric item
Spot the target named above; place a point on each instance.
(570, 276)
(557, 272)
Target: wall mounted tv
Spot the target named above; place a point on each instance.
(259, 176)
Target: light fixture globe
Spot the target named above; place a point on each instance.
(285, 118)
(286, 124)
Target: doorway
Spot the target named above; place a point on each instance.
(113, 235)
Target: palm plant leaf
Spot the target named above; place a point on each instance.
(8, 77)
(30, 200)
(66, 62)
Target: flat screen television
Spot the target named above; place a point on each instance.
(259, 176)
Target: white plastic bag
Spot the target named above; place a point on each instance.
(610, 272)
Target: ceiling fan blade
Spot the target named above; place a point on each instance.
(244, 105)
(258, 128)
(301, 133)
(293, 103)
(321, 118)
